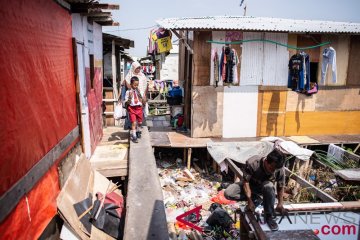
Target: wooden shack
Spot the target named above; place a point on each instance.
(261, 104)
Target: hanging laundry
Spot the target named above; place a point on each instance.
(228, 65)
(215, 63)
(329, 58)
(162, 38)
(306, 68)
(299, 72)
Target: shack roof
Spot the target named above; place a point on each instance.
(258, 24)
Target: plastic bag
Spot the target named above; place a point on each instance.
(118, 113)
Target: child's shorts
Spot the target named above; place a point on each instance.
(135, 114)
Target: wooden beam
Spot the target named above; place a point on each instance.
(189, 158)
(85, 7)
(184, 41)
(109, 23)
(258, 230)
(97, 14)
(320, 194)
(100, 19)
(238, 173)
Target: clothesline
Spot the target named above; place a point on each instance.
(273, 42)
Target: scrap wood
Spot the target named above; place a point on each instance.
(189, 174)
(183, 179)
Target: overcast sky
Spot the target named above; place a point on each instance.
(143, 14)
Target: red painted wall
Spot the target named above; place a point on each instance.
(37, 93)
(94, 97)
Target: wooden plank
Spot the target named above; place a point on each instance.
(274, 101)
(160, 139)
(260, 234)
(202, 52)
(145, 206)
(320, 194)
(259, 115)
(238, 173)
(180, 140)
(272, 117)
(343, 99)
(189, 158)
(272, 124)
(349, 174)
(337, 139)
(353, 77)
(207, 114)
(300, 102)
(322, 123)
(9, 199)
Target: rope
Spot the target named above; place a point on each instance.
(273, 42)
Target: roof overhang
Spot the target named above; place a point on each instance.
(93, 11)
(119, 41)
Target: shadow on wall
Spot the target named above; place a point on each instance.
(273, 114)
(301, 101)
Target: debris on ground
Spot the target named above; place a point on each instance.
(184, 190)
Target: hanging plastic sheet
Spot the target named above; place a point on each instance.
(38, 105)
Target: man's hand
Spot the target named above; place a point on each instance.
(280, 208)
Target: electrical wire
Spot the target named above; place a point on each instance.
(273, 42)
(132, 29)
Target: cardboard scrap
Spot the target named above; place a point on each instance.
(82, 182)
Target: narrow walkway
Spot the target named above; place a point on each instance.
(111, 155)
(145, 211)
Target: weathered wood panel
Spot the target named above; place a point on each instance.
(272, 124)
(207, 111)
(274, 101)
(346, 99)
(310, 40)
(353, 78)
(202, 56)
(341, 44)
(322, 123)
(300, 102)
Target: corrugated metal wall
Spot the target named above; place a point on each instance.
(252, 60)
(264, 63)
(276, 57)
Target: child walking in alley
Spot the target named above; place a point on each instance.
(133, 101)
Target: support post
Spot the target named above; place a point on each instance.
(189, 158)
(113, 69)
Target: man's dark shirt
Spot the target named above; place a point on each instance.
(256, 174)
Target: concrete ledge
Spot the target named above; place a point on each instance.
(145, 211)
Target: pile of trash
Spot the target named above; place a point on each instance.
(185, 190)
